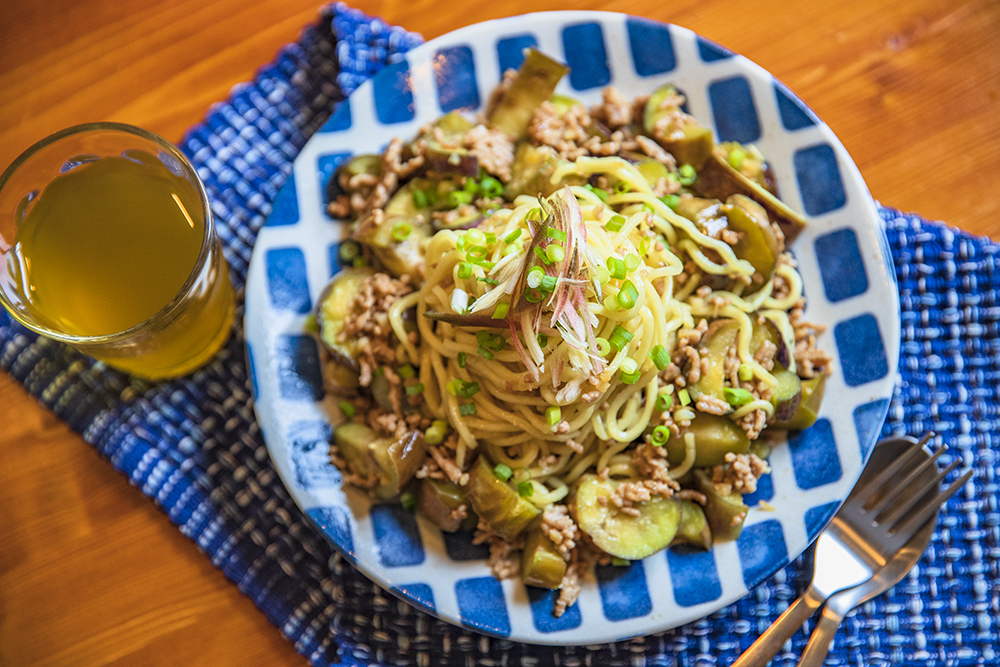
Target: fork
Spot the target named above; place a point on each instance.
(878, 518)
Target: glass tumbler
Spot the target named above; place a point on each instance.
(107, 244)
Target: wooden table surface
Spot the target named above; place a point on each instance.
(90, 572)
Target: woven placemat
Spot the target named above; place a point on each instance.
(193, 446)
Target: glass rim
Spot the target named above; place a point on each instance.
(168, 310)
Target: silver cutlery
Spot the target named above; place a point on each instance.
(885, 509)
(902, 562)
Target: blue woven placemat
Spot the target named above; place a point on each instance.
(193, 446)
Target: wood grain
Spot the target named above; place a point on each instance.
(91, 573)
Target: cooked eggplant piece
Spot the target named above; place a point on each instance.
(758, 244)
(438, 499)
(541, 564)
(563, 103)
(496, 503)
(335, 305)
(716, 178)
(768, 331)
(714, 437)
(807, 410)
(725, 514)
(620, 534)
(694, 527)
(535, 82)
(392, 462)
(454, 124)
(398, 242)
(683, 137)
(451, 161)
(748, 161)
(787, 395)
(714, 346)
(532, 171)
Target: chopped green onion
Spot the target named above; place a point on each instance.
(543, 340)
(491, 187)
(525, 489)
(616, 267)
(486, 354)
(660, 435)
(476, 252)
(534, 214)
(406, 371)
(464, 270)
(557, 234)
(555, 253)
(541, 255)
(454, 386)
(500, 311)
(622, 187)
(663, 402)
(535, 276)
(349, 250)
(632, 262)
(644, 245)
(548, 283)
(533, 295)
(466, 409)
(414, 389)
(601, 194)
(603, 346)
(461, 359)
(468, 389)
(736, 158)
(359, 261)
(660, 356)
(458, 197)
(736, 396)
(488, 280)
(684, 397)
(490, 341)
(470, 186)
(615, 224)
(502, 472)
(630, 378)
(602, 274)
(420, 199)
(671, 201)
(629, 366)
(627, 295)
(491, 238)
(687, 174)
(745, 372)
(553, 415)
(408, 501)
(619, 338)
(620, 562)
(311, 324)
(436, 432)
(513, 236)
(346, 408)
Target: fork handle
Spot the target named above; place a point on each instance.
(769, 643)
(822, 638)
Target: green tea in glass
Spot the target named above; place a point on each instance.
(107, 243)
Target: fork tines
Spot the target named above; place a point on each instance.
(891, 505)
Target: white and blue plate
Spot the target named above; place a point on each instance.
(842, 256)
